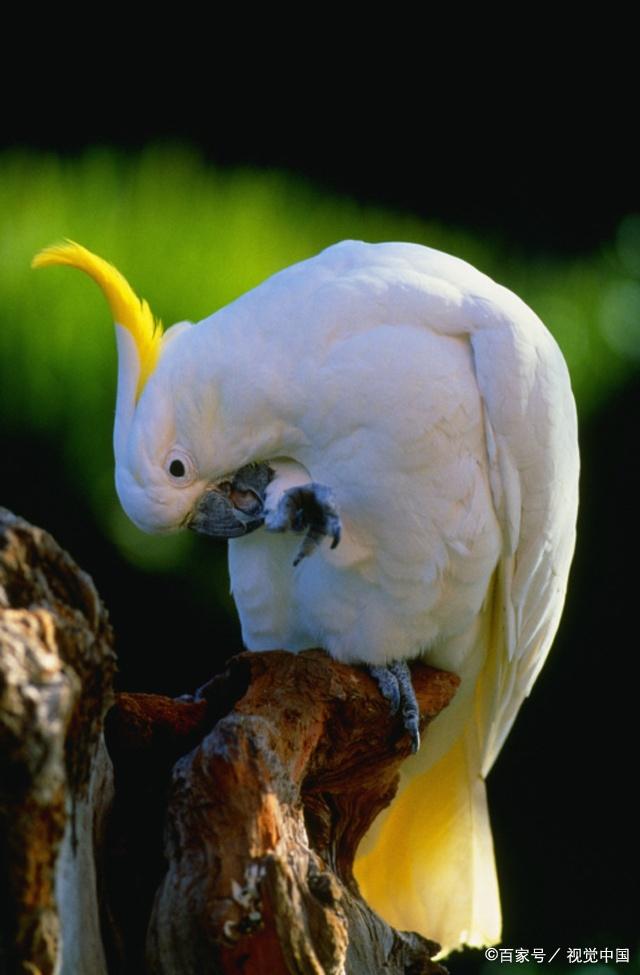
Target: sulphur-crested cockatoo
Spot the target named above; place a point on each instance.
(396, 400)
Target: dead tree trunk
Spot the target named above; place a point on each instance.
(212, 835)
(56, 672)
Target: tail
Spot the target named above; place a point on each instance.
(431, 867)
(428, 865)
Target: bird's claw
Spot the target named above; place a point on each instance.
(388, 685)
(395, 686)
(309, 508)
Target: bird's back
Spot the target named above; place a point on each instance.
(438, 407)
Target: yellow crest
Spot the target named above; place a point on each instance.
(127, 309)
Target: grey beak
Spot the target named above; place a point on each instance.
(233, 507)
(215, 515)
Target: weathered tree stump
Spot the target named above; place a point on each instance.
(219, 836)
(56, 673)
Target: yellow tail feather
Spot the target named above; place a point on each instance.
(432, 867)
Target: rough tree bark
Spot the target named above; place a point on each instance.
(56, 672)
(211, 835)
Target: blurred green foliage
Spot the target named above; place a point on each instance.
(191, 238)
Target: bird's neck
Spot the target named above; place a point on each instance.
(260, 403)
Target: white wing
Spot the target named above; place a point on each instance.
(531, 433)
(530, 424)
(532, 442)
(435, 840)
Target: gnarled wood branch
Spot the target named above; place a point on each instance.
(226, 841)
(56, 673)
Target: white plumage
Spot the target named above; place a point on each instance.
(438, 408)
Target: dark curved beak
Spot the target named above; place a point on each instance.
(234, 507)
(215, 515)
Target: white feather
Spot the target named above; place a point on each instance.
(438, 408)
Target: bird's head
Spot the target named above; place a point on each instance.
(168, 440)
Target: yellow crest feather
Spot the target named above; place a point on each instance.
(127, 309)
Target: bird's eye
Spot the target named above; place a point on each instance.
(179, 467)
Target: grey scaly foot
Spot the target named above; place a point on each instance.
(410, 709)
(395, 686)
(309, 508)
(388, 684)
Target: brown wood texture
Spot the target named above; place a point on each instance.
(219, 833)
(56, 672)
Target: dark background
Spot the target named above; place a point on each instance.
(562, 793)
(550, 178)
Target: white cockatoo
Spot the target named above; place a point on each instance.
(396, 400)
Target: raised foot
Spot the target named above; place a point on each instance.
(309, 508)
(395, 686)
